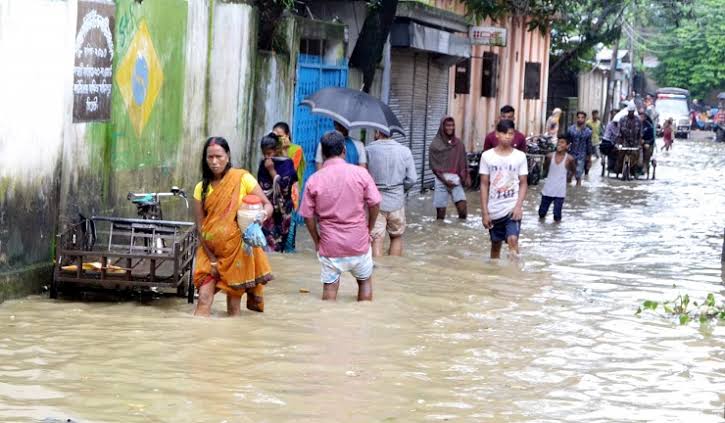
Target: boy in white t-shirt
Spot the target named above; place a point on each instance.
(503, 189)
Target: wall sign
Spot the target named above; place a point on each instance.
(488, 36)
(93, 71)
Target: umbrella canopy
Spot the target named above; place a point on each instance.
(354, 109)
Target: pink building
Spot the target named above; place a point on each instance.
(516, 74)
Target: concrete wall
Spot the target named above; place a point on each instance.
(51, 169)
(274, 89)
(36, 52)
(231, 76)
(352, 13)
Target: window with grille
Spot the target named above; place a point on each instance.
(489, 74)
(532, 81)
(463, 79)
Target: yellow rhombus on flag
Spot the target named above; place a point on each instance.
(139, 78)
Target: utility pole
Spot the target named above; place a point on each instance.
(630, 32)
(612, 75)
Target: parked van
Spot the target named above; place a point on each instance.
(674, 103)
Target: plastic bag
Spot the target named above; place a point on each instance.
(253, 237)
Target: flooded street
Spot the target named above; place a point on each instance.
(449, 337)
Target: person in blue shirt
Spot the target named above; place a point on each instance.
(580, 147)
(354, 150)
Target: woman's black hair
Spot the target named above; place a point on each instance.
(284, 127)
(269, 142)
(206, 173)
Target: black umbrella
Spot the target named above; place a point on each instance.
(354, 109)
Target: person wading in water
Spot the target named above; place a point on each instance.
(449, 164)
(556, 167)
(340, 206)
(221, 262)
(503, 189)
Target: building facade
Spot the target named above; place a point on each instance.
(509, 65)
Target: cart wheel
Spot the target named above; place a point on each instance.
(182, 288)
(190, 291)
(54, 290)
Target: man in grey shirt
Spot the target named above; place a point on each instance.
(393, 170)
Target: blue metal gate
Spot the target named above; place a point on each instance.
(312, 75)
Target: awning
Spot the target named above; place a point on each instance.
(424, 38)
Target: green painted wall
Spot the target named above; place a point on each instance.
(166, 21)
(145, 162)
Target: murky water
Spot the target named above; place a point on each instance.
(449, 336)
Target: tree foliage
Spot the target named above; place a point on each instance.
(578, 26)
(368, 50)
(270, 12)
(541, 13)
(692, 55)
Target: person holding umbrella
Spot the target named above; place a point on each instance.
(392, 167)
(354, 150)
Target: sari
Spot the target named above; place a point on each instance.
(220, 232)
(297, 154)
(281, 192)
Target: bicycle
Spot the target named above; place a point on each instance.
(628, 153)
(148, 207)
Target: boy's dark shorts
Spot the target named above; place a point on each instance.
(504, 228)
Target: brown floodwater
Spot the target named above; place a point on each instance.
(449, 337)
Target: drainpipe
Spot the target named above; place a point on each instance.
(385, 90)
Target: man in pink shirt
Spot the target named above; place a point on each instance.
(336, 198)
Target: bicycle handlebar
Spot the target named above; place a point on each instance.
(174, 192)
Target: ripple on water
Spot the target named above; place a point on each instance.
(450, 335)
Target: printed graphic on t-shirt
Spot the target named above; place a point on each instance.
(504, 182)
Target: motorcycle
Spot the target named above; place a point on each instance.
(474, 161)
(537, 147)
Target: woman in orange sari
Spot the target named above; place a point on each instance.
(221, 262)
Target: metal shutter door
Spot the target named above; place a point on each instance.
(437, 108)
(407, 100)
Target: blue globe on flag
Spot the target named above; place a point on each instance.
(140, 80)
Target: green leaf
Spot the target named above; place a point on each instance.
(650, 305)
(710, 302)
(639, 311)
(703, 318)
(668, 309)
(684, 319)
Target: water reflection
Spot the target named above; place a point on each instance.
(450, 336)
